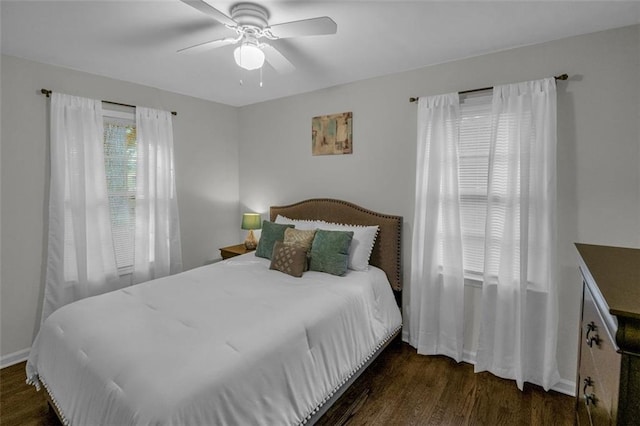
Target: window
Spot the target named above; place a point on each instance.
(473, 169)
(120, 155)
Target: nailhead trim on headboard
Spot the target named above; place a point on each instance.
(387, 251)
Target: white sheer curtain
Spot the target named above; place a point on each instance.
(518, 332)
(157, 251)
(80, 256)
(437, 284)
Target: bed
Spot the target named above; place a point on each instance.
(230, 343)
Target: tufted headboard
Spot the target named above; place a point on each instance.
(386, 253)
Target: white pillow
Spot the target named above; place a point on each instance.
(364, 237)
(299, 224)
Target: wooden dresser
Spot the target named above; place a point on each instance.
(608, 382)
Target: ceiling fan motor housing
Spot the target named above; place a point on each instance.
(250, 16)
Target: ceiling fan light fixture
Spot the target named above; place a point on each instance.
(249, 56)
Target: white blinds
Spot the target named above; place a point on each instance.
(473, 153)
(120, 164)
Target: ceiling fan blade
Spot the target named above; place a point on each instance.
(208, 45)
(207, 9)
(306, 27)
(277, 59)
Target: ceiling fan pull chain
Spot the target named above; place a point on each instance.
(261, 76)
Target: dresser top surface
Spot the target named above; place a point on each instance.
(616, 271)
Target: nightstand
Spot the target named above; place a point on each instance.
(232, 251)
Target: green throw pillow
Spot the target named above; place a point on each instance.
(271, 232)
(330, 251)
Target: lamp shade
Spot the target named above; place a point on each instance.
(249, 56)
(251, 221)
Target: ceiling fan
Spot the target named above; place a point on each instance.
(251, 25)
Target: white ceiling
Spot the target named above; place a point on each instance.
(137, 40)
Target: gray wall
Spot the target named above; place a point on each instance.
(598, 149)
(206, 157)
(230, 160)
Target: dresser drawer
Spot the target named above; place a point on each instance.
(599, 369)
(591, 409)
(601, 359)
(611, 321)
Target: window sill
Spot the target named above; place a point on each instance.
(472, 281)
(125, 270)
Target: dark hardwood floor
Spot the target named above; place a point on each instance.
(400, 388)
(405, 388)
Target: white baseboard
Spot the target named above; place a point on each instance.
(469, 357)
(567, 387)
(14, 358)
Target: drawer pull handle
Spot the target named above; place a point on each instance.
(591, 327)
(590, 399)
(595, 339)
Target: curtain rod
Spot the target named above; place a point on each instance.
(464, 92)
(47, 93)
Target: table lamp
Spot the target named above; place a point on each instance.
(251, 221)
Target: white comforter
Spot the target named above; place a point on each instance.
(232, 343)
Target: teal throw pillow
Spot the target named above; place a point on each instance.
(330, 251)
(271, 232)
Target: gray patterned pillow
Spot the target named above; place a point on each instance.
(289, 258)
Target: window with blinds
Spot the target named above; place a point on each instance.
(120, 153)
(473, 163)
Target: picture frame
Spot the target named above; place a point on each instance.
(332, 134)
